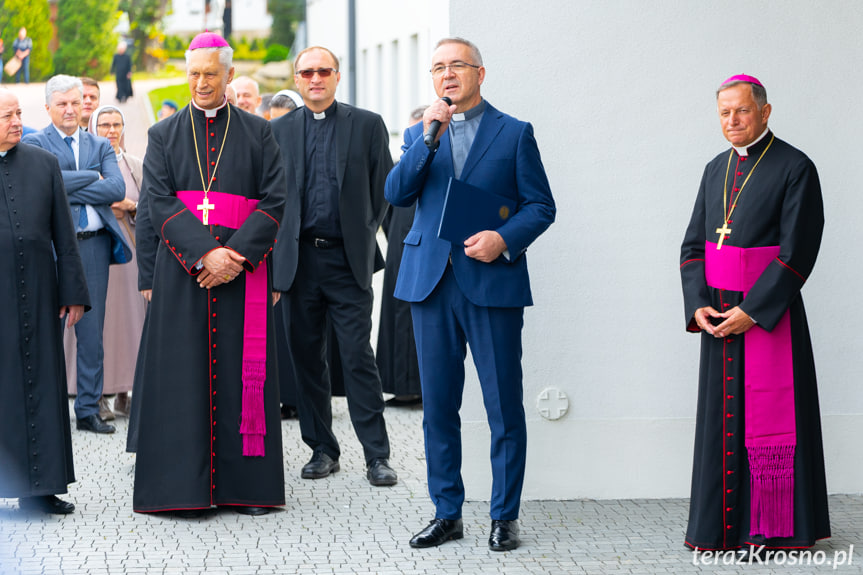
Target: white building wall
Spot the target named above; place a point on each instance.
(621, 96)
(394, 40)
(248, 17)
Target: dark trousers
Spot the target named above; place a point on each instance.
(96, 257)
(443, 324)
(325, 284)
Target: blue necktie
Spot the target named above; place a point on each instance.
(82, 216)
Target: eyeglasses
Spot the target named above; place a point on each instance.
(322, 72)
(456, 67)
(109, 126)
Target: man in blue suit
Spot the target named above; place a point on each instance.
(473, 293)
(93, 182)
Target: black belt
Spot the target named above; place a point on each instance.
(322, 243)
(88, 235)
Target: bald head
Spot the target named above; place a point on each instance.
(10, 120)
(248, 94)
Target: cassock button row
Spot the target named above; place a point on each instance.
(729, 453)
(212, 134)
(212, 149)
(728, 415)
(729, 472)
(728, 491)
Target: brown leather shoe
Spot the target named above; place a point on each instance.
(121, 404)
(105, 413)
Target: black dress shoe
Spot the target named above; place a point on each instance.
(289, 411)
(319, 466)
(46, 504)
(381, 474)
(404, 401)
(254, 511)
(438, 531)
(94, 424)
(188, 513)
(504, 535)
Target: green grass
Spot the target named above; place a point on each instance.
(179, 93)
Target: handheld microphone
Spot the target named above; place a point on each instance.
(434, 127)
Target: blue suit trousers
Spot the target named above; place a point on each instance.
(444, 323)
(96, 257)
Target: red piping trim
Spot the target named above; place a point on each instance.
(212, 428)
(724, 431)
(692, 260)
(269, 216)
(783, 264)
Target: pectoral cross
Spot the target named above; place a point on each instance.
(723, 231)
(207, 206)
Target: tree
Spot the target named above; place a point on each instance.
(86, 38)
(35, 16)
(145, 20)
(286, 15)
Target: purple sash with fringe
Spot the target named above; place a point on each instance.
(231, 211)
(771, 434)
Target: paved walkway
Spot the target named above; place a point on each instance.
(342, 525)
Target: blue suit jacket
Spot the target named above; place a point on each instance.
(83, 186)
(504, 158)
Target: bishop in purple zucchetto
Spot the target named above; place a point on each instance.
(207, 40)
(743, 78)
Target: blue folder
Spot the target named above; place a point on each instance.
(469, 209)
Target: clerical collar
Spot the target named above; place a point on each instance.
(470, 114)
(744, 150)
(3, 154)
(321, 115)
(211, 113)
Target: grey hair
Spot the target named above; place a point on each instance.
(283, 102)
(759, 93)
(417, 113)
(226, 55)
(61, 83)
(474, 51)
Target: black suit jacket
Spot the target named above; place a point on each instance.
(362, 161)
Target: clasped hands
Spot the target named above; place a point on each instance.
(736, 321)
(221, 266)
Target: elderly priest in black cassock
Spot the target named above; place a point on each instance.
(209, 426)
(41, 279)
(758, 475)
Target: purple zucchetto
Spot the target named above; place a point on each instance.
(208, 40)
(743, 78)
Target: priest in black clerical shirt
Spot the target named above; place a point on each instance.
(337, 159)
(758, 473)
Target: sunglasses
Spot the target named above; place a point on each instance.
(322, 72)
